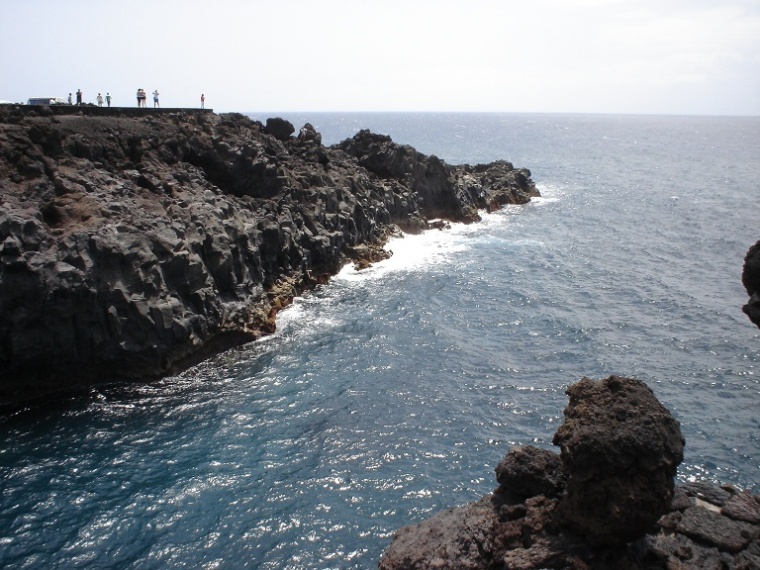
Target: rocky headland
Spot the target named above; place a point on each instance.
(607, 501)
(134, 244)
(751, 281)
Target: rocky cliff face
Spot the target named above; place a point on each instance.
(751, 281)
(607, 501)
(133, 246)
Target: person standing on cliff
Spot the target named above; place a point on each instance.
(203, 101)
(69, 98)
(108, 99)
(79, 96)
(155, 99)
(99, 99)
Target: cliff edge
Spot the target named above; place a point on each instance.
(133, 245)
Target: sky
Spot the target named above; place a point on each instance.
(682, 57)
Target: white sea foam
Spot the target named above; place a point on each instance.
(413, 252)
(541, 200)
(549, 193)
(303, 316)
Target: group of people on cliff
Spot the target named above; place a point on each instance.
(100, 99)
(141, 99)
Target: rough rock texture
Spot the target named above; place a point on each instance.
(529, 471)
(751, 281)
(621, 448)
(132, 245)
(521, 525)
(279, 128)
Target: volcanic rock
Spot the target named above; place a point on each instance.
(621, 448)
(751, 281)
(529, 471)
(133, 244)
(279, 128)
(524, 524)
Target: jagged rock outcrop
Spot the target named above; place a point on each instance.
(134, 245)
(279, 128)
(529, 471)
(751, 281)
(478, 187)
(566, 511)
(621, 448)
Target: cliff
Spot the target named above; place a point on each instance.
(135, 244)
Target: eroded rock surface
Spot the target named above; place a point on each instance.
(523, 525)
(529, 471)
(621, 448)
(132, 245)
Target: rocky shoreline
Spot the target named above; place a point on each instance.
(607, 501)
(133, 245)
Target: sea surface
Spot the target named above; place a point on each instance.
(391, 394)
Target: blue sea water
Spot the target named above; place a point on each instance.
(391, 394)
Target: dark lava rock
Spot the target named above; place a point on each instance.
(308, 134)
(707, 526)
(279, 128)
(706, 492)
(742, 507)
(451, 540)
(529, 471)
(477, 536)
(621, 448)
(751, 281)
(703, 527)
(133, 245)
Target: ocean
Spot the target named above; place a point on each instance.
(391, 394)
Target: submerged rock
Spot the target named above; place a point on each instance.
(607, 502)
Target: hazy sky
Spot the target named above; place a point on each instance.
(588, 56)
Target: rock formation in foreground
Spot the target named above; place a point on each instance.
(135, 244)
(606, 502)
